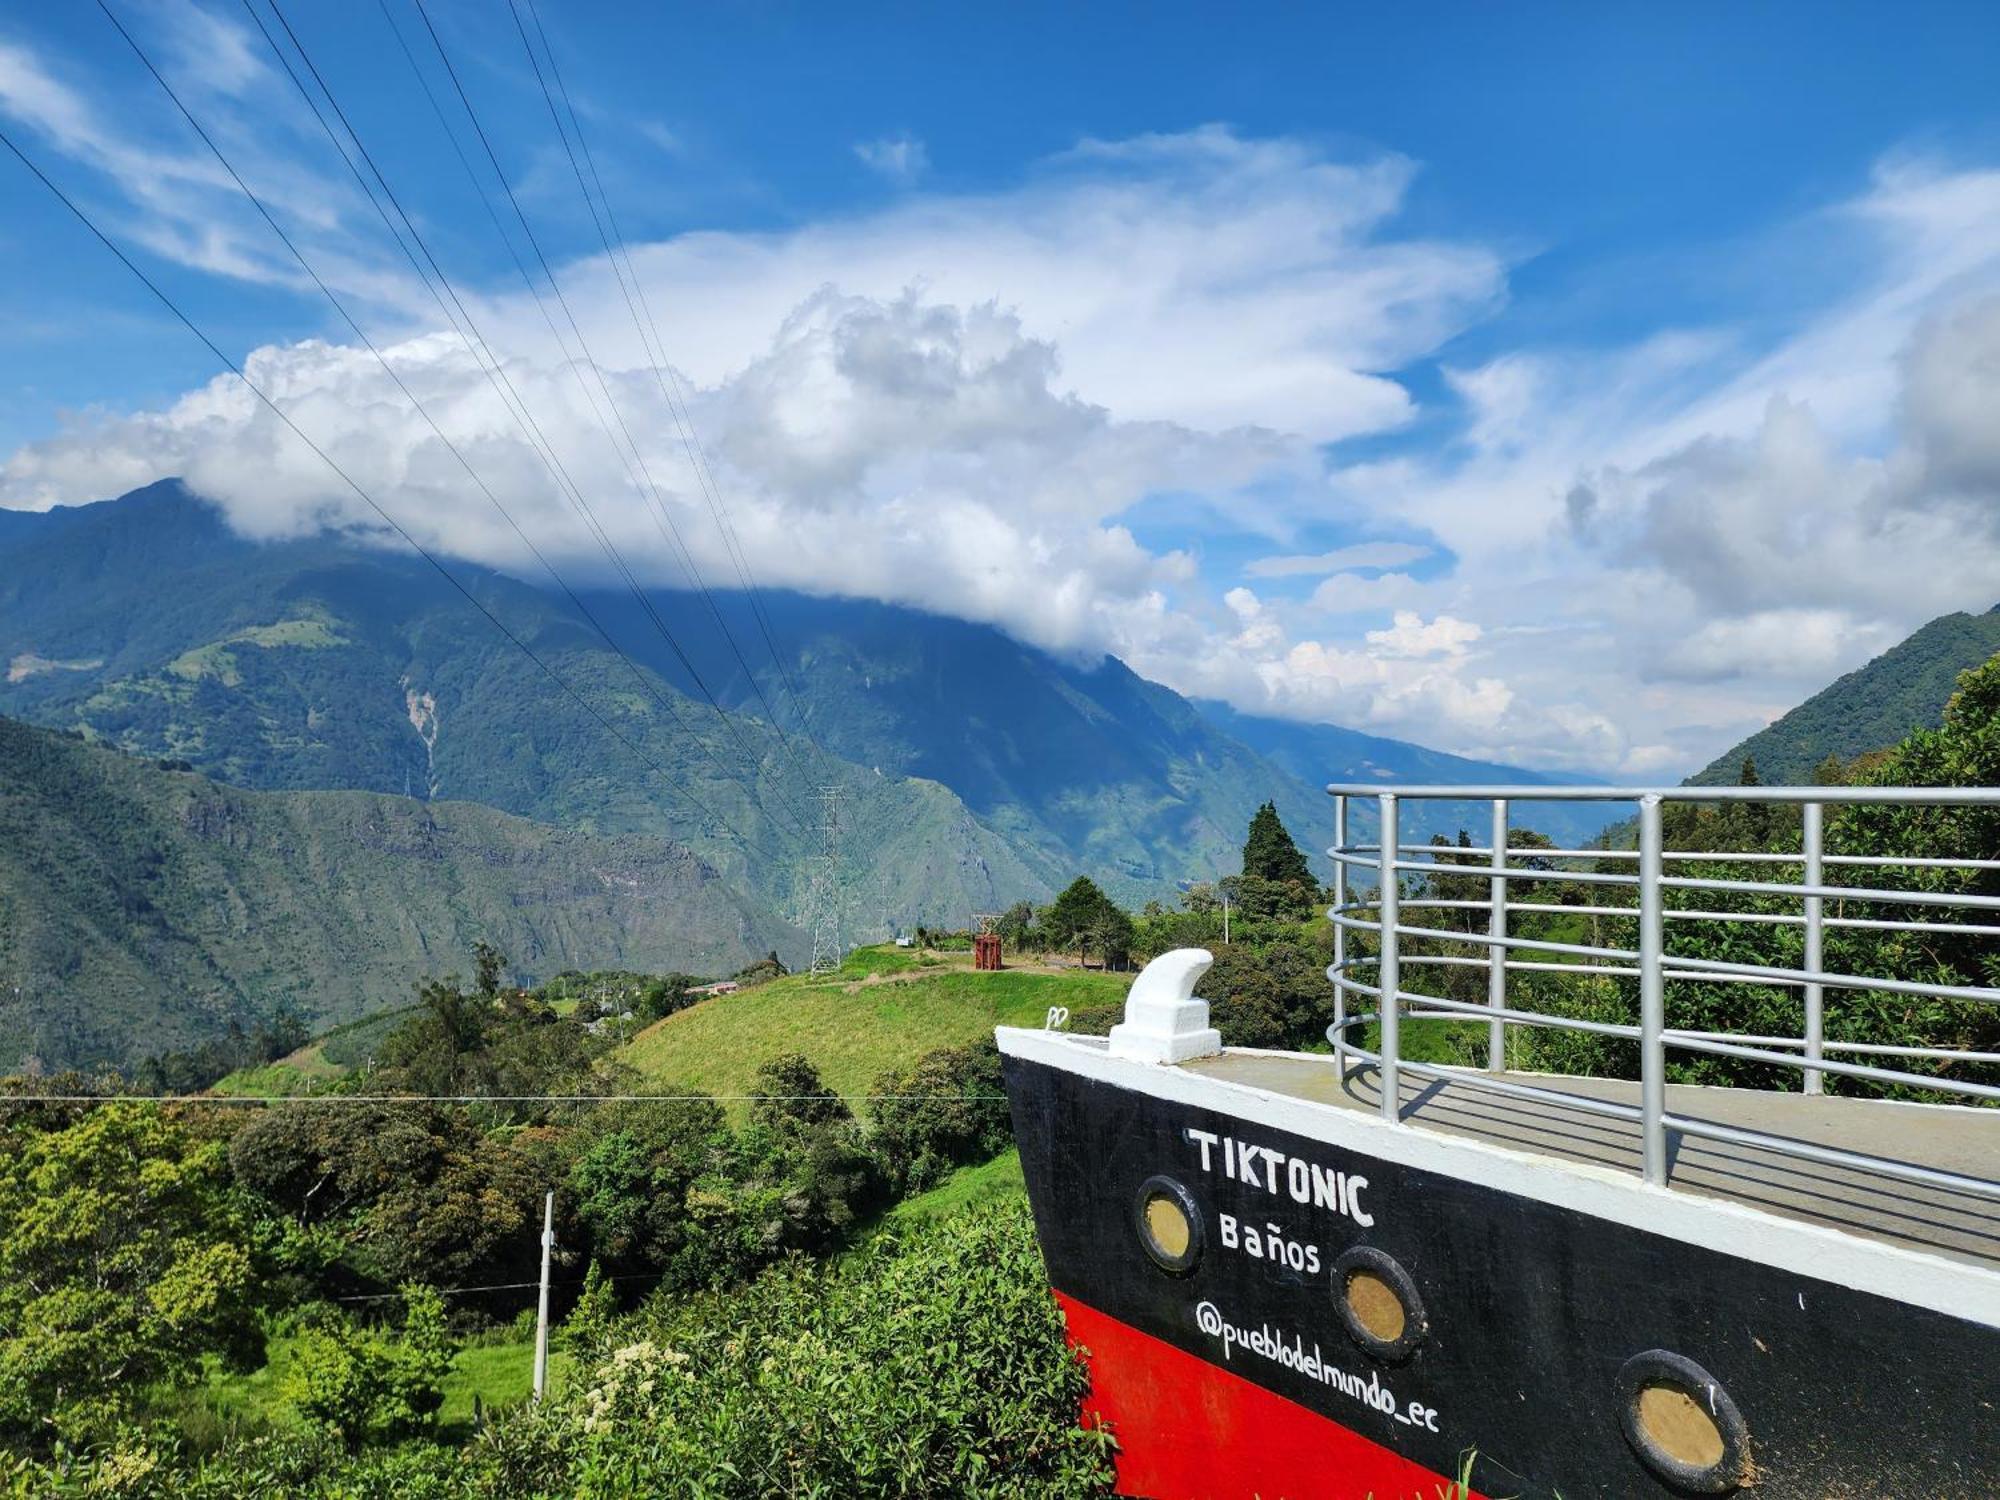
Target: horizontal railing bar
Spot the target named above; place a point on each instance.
(1836, 892)
(1833, 1156)
(1675, 914)
(1901, 796)
(1879, 1049)
(1488, 872)
(1692, 856)
(1483, 1011)
(1845, 981)
(1844, 1070)
(1691, 883)
(1482, 939)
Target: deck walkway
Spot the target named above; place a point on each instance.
(1958, 1225)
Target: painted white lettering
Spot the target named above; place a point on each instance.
(1204, 1139)
(1354, 1210)
(1299, 1179)
(1326, 1189)
(1227, 1224)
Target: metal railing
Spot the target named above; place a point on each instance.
(1650, 960)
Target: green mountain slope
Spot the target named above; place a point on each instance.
(1904, 688)
(143, 909)
(974, 770)
(323, 663)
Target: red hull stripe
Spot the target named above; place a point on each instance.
(1188, 1430)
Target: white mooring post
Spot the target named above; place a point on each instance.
(542, 1308)
(1164, 1022)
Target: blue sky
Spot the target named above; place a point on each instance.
(1644, 347)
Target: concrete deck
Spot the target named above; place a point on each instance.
(1943, 1221)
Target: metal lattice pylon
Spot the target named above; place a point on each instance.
(823, 904)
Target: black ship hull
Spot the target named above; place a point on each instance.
(1523, 1328)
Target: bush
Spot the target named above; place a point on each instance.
(357, 1385)
(934, 1366)
(947, 1111)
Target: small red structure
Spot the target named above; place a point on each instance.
(986, 951)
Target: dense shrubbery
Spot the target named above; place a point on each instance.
(931, 1365)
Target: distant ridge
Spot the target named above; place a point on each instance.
(1870, 708)
(144, 908)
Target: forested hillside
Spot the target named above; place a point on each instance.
(1871, 708)
(144, 909)
(973, 770)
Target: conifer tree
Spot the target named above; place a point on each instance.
(1270, 854)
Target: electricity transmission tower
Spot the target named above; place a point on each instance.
(823, 904)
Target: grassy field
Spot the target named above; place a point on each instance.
(885, 1009)
(968, 1187)
(485, 1376)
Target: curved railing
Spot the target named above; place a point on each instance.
(1382, 910)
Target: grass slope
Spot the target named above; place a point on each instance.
(990, 1182)
(884, 1010)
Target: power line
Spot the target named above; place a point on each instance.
(267, 1099)
(475, 342)
(346, 478)
(657, 511)
(656, 356)
(400, 384)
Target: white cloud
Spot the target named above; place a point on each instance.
(957, 401)
(1360, 555)
(1360, 593)
(900, 158)
(1413, 635)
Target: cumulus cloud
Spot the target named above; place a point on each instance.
(1632, 554)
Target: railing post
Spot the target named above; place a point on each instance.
(1339, 938)
(1652, 997)
(1814, 833)
(1389, 969)
(1496, 956)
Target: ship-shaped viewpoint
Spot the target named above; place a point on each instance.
(1349, 1275)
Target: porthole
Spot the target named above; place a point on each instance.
(1378, 1303)
(1682, 1423)
(1169, 1225)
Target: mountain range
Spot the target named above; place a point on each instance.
(967, 770)
(144, 908)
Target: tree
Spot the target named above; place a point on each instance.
(358, 1384)
(949, 1110)
(790, 1091)
(125, 1261)
(1081, 915)
(1276, 881)
(1270, 854)
(415, 1192)
(586, 1332)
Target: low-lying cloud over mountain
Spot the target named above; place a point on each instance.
(1202, 400)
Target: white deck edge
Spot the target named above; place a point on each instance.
(1824, 1254)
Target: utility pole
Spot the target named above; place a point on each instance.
(823, 904)
(542, 1308)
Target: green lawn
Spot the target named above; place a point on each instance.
(852, 1028)
(496, 1374)
(968, 1187)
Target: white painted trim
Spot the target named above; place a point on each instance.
(1952, 1287)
